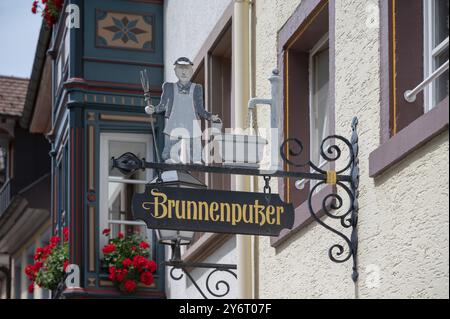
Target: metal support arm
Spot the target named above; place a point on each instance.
(346, 181)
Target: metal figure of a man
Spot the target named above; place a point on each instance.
(182, 103)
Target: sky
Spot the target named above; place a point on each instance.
(19, 31)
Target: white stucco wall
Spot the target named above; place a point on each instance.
(188, 24)
(403, 218)
(184, 289)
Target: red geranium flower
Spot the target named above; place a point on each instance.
(30, 272)
(106, 231)
(121, 274)
(112, 273)
(66, 263)
(130, 286)
(127, 262)
(139, 262)
(66, 233)
(54, 240)
(144, 245)
(120, 235)
(38, 265)
(31, 288)
(150, 265)
(109, 248)
(147, 278)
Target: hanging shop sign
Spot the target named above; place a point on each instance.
(212, 211)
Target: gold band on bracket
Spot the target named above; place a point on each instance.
(331, 177)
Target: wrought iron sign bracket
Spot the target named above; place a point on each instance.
(214, 290)
(346, 181)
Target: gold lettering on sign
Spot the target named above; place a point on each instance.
(280, 210)
(232, 213)
(248, 214)
(222, 212)
(259, 213)
(236, 214)
(269, 212)
(156, 212)
(213, 210)
(192, 210)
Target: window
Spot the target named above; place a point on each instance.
(435, 49)
(61, 66)
(61, 189)
(319, 102)
(413, 47)
(307, 112)
(116, 190)
(219, 92)
(306, 58)
(414, 44)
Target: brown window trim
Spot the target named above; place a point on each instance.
(209, 242)
(419, 132)
(293, 28)
(398, 144)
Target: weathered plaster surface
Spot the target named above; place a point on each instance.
(403, 218)
(187, 24)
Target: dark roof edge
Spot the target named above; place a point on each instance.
(36, 74)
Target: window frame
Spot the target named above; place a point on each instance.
(431, 53)
(395, 147)
(307, 21)
(320, 45)
(104, 178)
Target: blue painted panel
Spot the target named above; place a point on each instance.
(121, 73)
(118, 26)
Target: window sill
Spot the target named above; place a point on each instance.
(303, 216)
(409, 139)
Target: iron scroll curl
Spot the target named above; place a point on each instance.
(218, 287)
(331, 152)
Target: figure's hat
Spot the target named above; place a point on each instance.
(183, 61)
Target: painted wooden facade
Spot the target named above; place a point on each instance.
(97, 91)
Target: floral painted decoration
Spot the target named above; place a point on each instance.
(50, 263)
(50, 10)
(128, 263)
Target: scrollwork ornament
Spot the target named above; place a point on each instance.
(219, 284)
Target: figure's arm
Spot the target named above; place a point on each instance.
(165, 98)
(198, 103)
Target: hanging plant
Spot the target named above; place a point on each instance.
(50, 263)
(127, 259)
(50, 10)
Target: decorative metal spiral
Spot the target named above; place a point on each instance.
(336, 252)
(330, 153)
(333, 152)
(173, 276)
(219, 284)
(292, 151)
(334, 202)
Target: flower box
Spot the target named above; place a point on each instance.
(241, 150)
